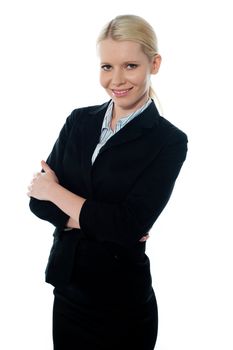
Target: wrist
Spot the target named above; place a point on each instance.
(71, 223)
(53, 190)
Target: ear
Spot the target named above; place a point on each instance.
(155, 63)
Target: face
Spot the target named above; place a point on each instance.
(125, 74)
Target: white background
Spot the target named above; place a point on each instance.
(49, 67)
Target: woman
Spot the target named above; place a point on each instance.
(109, 176)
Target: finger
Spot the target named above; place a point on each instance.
(33, 181)
(45, 166)
(144, 238)
(36, 174)
(29, 191)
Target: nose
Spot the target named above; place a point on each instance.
(118, 77)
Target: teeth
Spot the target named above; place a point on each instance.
(122, 92)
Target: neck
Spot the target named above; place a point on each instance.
(119, 112)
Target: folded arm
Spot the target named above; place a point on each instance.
(45, 187)
(125, 222)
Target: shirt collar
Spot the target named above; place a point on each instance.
(123, 121)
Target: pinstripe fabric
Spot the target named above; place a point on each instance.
(107, 132)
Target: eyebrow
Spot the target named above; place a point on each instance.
(127, 62)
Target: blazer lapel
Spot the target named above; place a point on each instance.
(91, 137)
(134, 129)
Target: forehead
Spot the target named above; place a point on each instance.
(120, 50)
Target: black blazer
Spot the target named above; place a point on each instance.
(128, 185)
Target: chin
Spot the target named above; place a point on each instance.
(128, 103)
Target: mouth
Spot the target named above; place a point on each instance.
(120, 93)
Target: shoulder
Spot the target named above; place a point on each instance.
(79, 116)
(162, 128)
(174, 132)
(88, 110)
(175, 141)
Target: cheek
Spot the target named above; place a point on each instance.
(103, 80)
(140, 79)
(145, 80)
(142, 83)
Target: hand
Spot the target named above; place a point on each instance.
(71, 223)
(42, 183)
(144, 238)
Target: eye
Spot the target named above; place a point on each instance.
(106, 67)
(131, 66)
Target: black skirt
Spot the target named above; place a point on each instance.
(106, 307)
(88, 327)
(110, 304)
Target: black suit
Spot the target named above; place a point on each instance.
(126, 189)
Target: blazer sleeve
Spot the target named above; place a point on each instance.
(44, 209)
(125, 223)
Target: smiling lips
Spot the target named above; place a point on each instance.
(121, 93)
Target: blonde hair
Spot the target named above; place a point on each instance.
(132, 28)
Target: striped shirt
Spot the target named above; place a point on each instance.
(107, 132)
